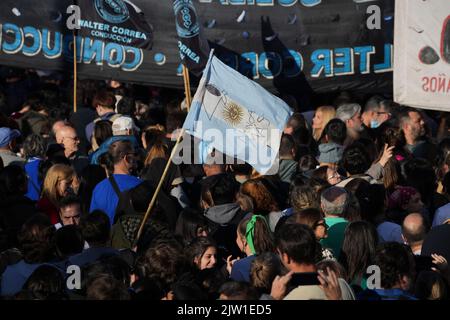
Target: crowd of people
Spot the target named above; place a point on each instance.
(359, 209)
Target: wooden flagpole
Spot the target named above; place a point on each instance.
(187, 87)
(75, 75)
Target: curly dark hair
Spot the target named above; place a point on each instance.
(35, 239)
(164, 260)
(395, 260)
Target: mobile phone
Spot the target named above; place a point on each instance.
(304, 279)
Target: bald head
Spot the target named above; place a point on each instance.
(57, 126)
(414, 228)
(67, 136)
(63, 132)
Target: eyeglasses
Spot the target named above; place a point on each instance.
(334, 176)
(380, 113)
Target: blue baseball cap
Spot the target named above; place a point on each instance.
(6, 135)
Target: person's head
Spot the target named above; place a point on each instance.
(287, 147)
(67, 137)
(70, 210)
(218, 190)
(334, 266)
(34, 146)
(312, 218)
(212, 169)
(446, 183)
(153, 142)
(296, 245)
(102, 131)
(191, 224)
(358, 249)
(430, 286)
(46, 283)
(384, 113)
(322, 116)
(35, 239)
(254, 235)
(68, 241)
(412, 125)
(405, 199)
(351, 115)
(263, 200)
(355, 160)
(303, 197)
(96, 229)
(334, 132)
(123, 156)
(370, 114)
(126, 106)
(334, 201)
(104, 102)
(106, 287)
(58, 125)
(202, 253)
(263, 271)
(327, 173)
(124, 126)
(164, 260)
(58, 183)
(233, 290)
(8, 138)
(13, 182)
(307, 162)
(297, 120)
(415, 228)
(174, 121)
(396, 263)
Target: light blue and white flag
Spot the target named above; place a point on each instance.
(237, 117)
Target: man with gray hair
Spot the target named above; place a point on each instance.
(351, 115)
(334, 203)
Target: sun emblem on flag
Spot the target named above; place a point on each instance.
(233, 113)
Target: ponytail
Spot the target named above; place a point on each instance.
(257, 233)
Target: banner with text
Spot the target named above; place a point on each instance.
(422, 55)
(289, 46)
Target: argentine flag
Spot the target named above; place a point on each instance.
(237, 117)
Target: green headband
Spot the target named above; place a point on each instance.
(250, 231)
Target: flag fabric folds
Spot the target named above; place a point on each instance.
(237, 117)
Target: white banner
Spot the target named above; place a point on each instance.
(422, 54)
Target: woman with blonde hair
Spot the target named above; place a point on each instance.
(60, 181)
(322, 116)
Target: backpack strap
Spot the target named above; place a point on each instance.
(114, 185)
(124, 204)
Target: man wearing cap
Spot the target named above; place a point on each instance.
(124, 126)
(7, 143)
